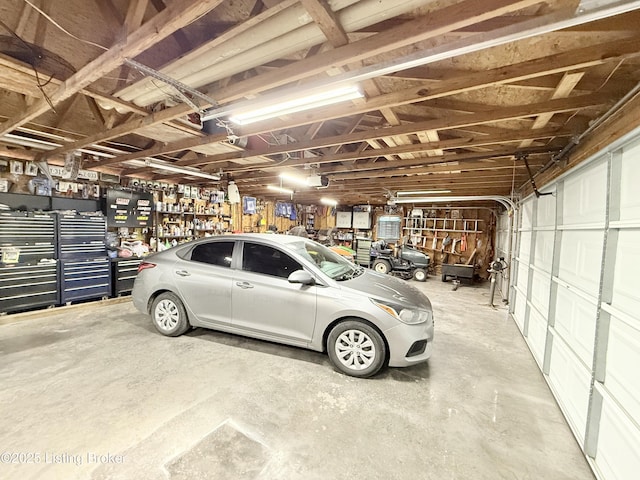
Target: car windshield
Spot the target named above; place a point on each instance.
(331, 263)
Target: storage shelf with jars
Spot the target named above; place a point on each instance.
(185, 219)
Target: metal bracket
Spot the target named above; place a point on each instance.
(524, 156)
(180, 87)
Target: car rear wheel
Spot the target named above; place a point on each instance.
(169, 315)
(356, 349)
(420, 274)
(382, 266)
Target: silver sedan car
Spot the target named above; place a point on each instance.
(290, 290)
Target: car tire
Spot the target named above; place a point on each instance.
(169, 315)
(382, 266)
(420, 275)
(356, 349)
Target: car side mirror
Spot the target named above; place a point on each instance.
(301, 276)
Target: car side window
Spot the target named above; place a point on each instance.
(263, 259)
(213, 253)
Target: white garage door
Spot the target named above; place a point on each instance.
(576, 299)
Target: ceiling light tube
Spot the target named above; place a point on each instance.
(423, 192)
(294, 179)
(328, 201)
(178, 169)
(315, 100)
(280, 189)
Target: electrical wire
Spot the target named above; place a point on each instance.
(32, 61)
(614, 70)
(56, 24)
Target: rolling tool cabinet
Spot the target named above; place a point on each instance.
(85, 269)
(28, 269)
(123, 274)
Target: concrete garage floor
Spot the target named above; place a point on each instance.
(98, 394)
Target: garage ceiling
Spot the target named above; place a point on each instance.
(456, 93)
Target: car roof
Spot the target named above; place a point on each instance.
(269, 237)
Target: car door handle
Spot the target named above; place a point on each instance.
(244, 285)
(182, 273)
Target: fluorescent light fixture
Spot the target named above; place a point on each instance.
(294, 179)
(320, 99)
(178, 169)
(280, 189)
(423, 192)
(328, 201)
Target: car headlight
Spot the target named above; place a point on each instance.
(409, 316)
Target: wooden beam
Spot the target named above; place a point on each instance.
(23, 74)
(485, 160)
(564, 88)
(327, 20)
(95, 111)
(163, 24)
(454, 121)
(135, 14)
(23, 21)
(42, 23)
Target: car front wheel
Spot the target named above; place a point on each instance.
(169, 315)
(356, 349)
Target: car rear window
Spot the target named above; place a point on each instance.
(213, 253)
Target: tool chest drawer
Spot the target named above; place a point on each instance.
(24, 286)
(84, 279)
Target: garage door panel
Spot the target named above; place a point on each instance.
(543, 255)
(526, 210)
(585, 196)
(520, 310)
(626, 293)
(618, 451)
(575, 321)
(571, 382)
(540, 287)
(629, 198)
(622, 377)
(537, 335)
(524, 252)
(523, 277)
(581, 259)
(546, 211)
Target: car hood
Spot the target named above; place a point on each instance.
(386, 287)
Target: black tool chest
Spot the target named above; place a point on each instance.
(84, 264)
(28, 269)
(123, 274)
(55, 258)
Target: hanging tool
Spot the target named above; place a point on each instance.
(445, 241)
(453, 245)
